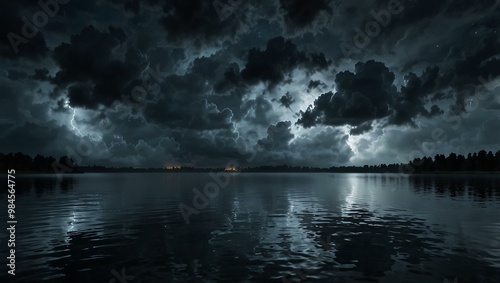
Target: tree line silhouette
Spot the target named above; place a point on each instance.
(481, 161)
(44, 164)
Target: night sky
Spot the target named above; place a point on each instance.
(200, 83)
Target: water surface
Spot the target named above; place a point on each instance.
(259, 228)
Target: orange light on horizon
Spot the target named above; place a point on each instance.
(173, 167)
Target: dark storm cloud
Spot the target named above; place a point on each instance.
(183, 100)
(11, 92)
(441, 96)
(132, 6)
(61, 107)
(417, 11)
(19, 38)
(326, 148)
(330, 149)
(41, 74)
(479, 63)
(278, 136)
(274, 64)
(206, 116)
(428, 56)
(477, 131)
(16, 75)
(89, 67)
(192, 20)
(231, 92)
(415, 34)
(298, 16)
(315, 84)
(120, 131)
(204, 23)
(465, 74)
(232, 100)
(287, 100)
(31, 136)
(370, 94)
(143, 153)
(232, 78)
(361, 96)
(214, 148)
(466, 52)
(484, 134)
(361, 129)
(257, 111)
(168, 58)
(20, 100)
(411, 100)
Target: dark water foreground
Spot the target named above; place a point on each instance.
(259, 228)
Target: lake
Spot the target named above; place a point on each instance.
(255, 227)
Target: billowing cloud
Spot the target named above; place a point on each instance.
(413, 97)
(362, 96)
(297, 16)
(278, 136)
(199, 83)
(369, 94)
(275, 64)
(20, 38)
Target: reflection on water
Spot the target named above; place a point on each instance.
(260, 228)
(44, 184)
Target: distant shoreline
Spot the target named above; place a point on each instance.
(481, 162)
(273, 172)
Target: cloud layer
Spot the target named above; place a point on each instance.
(153, 83)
